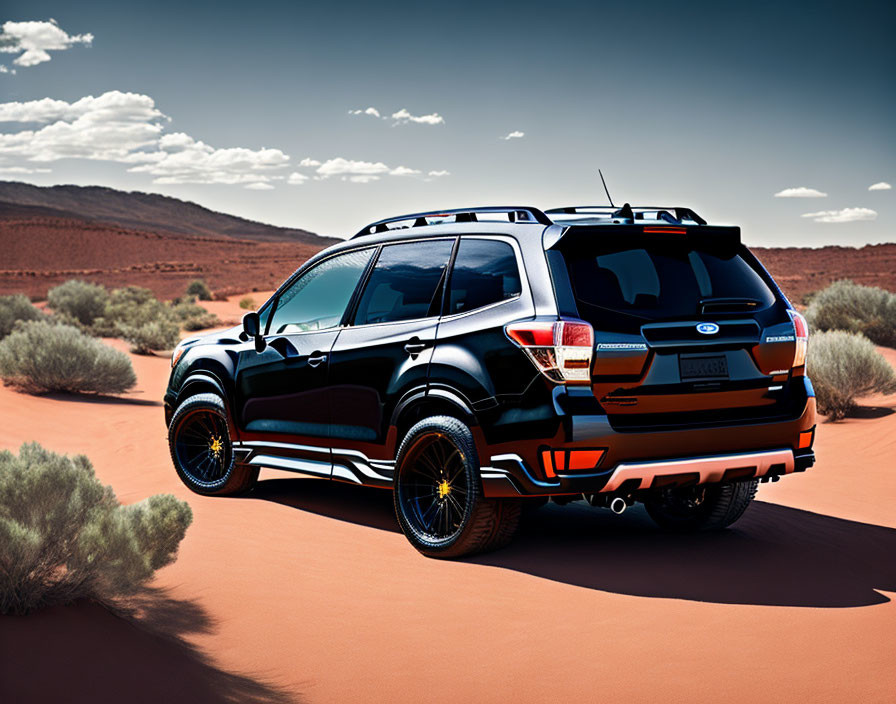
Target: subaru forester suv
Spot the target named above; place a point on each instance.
(484, 360)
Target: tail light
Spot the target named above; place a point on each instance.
(801, 331)
(561, 350)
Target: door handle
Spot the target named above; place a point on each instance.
(414, 346)
(315, 360)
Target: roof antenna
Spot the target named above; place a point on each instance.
(606, 190)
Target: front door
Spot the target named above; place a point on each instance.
(282, 402)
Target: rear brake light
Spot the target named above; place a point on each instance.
(807, 437)
(801, 331)
(554, 461)
(561, 350)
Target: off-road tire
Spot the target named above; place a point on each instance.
(721, 505)
(487, 524)
(232, 479)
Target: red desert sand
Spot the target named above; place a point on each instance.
(306, 590)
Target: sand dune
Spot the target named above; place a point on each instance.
(308, 588)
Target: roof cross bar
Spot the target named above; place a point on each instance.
(515, 213)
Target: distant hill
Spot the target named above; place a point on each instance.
(140, 211)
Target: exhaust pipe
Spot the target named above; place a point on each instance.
(618, 505)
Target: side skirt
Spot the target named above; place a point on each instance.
(340, 464)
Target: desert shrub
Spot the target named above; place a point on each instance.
(199, 289)
(160, 334)
(13, 309)
(41, 356)
(130, 308)
(82, 301)
(844, 366)
(192, 316)
(247, 303)
(845, 305)
(64, 536)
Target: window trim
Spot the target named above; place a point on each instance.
(275, 299)
(521, 270)
(442, 282)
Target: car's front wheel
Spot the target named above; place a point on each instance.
(438, 496)
(202, 449)
(710, 507)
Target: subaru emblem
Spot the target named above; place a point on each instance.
(707, 328)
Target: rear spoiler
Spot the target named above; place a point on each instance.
(580, 234)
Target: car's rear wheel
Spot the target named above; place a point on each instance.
(711, 507)
(438, 496)
(202, 449)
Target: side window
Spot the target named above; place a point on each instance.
(405, 283)
(485, 271)
(318, 298)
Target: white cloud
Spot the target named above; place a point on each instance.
(403, 171)
(22, 170)
(844, 215)
(437, 174)
(373, 112)
(3, 69)
(880, 186)
(516, 134)
(128, 128)
(32, 41)
(183, 159)
(110, 127)
(403, 117)
(350, 167)
(800, 192)
(259, 186)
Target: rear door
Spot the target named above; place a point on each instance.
(385, 352)
(686, 328)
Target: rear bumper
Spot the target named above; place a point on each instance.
(632, 477)
(638, 462)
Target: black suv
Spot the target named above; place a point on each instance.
(483, 360)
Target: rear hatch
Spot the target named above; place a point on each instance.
(689, 329)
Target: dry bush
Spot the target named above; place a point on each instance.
(247, 303)
(845, 305)
(82, 301)
(64, 536)
(199, 289)
(13, 309)
(845, 366)
(41, 356)
(161, 334)
(192, 316)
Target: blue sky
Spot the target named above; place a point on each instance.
(245, 108)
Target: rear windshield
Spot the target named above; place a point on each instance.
(620, 288)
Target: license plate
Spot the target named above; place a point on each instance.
(703, 367)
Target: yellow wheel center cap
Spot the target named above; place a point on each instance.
(444, 489)
(216, 446)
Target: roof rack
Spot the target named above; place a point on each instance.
(675, 215)
(515, 213)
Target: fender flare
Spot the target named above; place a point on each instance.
(206, 379)
(422, 395)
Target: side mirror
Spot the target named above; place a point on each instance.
(252, 328)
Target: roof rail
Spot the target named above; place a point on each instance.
(515, 213)
(674, 214)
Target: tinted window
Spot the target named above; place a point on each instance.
(484, 272)
(317, 299)
(405, 283)
(622, 288)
